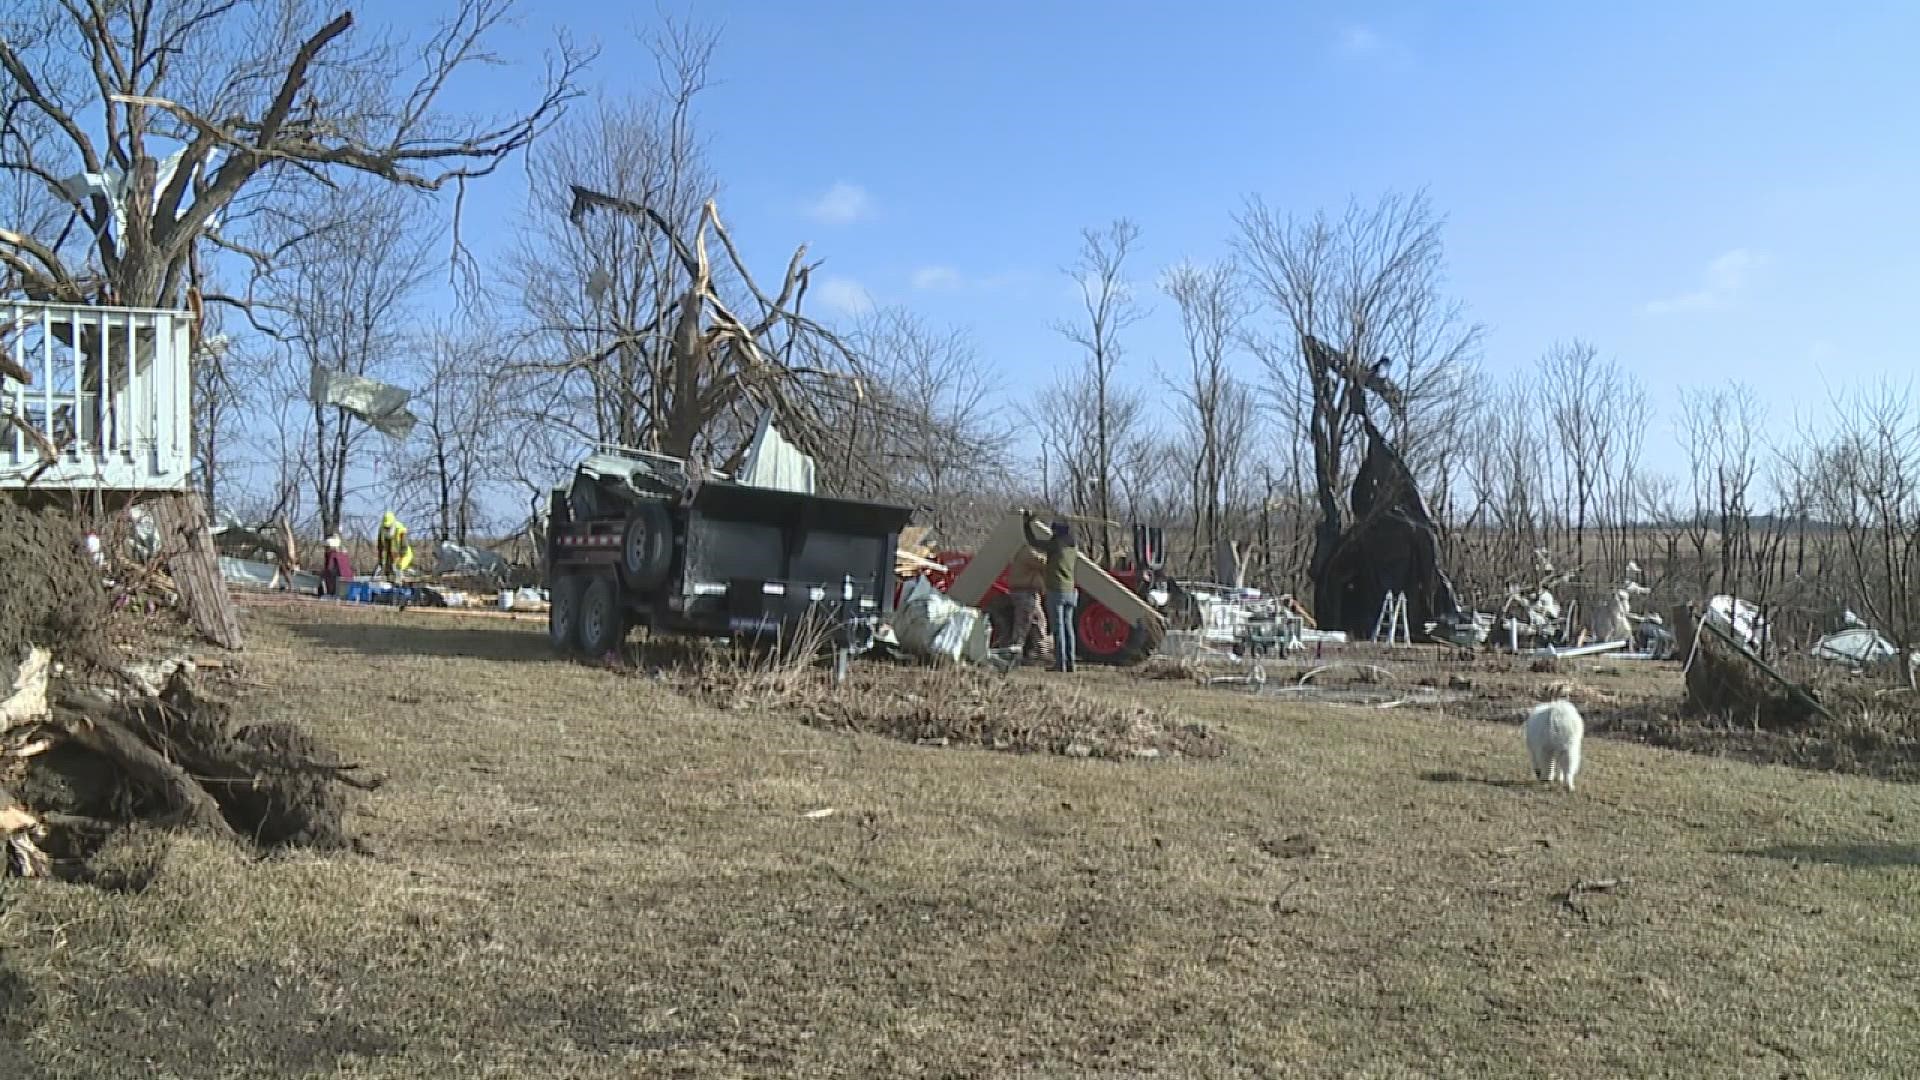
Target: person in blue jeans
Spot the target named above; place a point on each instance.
(1062, 599)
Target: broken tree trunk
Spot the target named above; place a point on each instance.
(187, 544)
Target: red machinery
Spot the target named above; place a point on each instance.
(1103, 636)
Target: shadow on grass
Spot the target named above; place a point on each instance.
(428, 639)
(1858, 855)
(1450, 777)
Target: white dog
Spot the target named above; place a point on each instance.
(1553, 732)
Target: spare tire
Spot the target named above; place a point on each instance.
(584, 499)
(646, 547)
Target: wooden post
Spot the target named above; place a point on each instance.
(186, 543)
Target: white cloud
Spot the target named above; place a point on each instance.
(1726, 277)
(1361, 40)
(845, 295)
(937, 277)
(843, 204)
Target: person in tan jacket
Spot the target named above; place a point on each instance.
(1026, 578)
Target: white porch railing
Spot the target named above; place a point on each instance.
(109, 387)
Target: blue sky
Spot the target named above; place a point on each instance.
(1704, 191)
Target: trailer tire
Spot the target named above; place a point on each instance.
(646, 547)
(602, 626)
(563, 612)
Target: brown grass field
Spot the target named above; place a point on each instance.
(575, 872)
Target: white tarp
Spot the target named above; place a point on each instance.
(773, 462)
(928, 624)
(379, 404)
(451, 558)
(265, 575)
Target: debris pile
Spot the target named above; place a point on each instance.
(947, 706)
(1725, 679)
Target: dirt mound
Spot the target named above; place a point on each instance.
(49, 594)
(1884, 746)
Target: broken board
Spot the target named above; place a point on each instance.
(186, 543)
(971, 586)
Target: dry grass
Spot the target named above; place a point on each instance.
(584, 873)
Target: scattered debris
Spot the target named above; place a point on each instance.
(1571, 898)
(1297, 846)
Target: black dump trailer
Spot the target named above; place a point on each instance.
(635, 541)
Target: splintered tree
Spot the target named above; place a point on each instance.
(138, 129)
(719, 370)
(1344, 292)
(597, 290)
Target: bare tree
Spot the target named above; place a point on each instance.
(144, 124)
(1343, 293)
(929, 420)
(1074, 420)
(1110, 305)
(1219, 405)
(1722, 428)
(448, 472)
(1866, 480)
(1586, 401)
(348, 303)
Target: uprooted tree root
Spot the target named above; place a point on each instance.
(175, 761)
(955, 706)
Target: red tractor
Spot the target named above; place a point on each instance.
(1104, 636)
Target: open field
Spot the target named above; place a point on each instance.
(575, 872)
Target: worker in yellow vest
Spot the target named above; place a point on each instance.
(396, 551)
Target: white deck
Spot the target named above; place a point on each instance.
(130, 430)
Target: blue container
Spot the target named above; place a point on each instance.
(360, 592)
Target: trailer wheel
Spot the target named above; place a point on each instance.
(602, 625)
(563, 612)
(646, 547)
(1103, 637)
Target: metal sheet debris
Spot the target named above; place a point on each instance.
(771, 461)
(381, 405)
